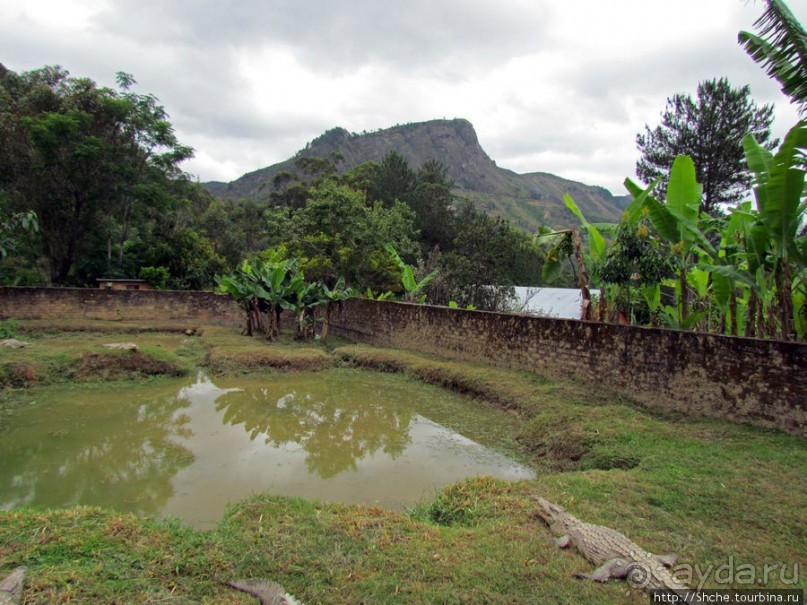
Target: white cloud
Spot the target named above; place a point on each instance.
(64, 16)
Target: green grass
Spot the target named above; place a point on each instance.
(228, 352)
(712, 491)
(707, 489)
(73, 351)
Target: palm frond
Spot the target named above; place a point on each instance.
(780, 48)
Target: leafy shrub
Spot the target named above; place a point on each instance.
(156, 276)
(8, 328)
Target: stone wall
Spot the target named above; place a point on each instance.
(762, 382)
(163, 306)
(745, 380)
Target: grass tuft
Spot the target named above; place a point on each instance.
(8, 328)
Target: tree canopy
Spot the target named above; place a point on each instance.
(338, 233)
(710, 130)
(340, 224)
(87, 160)
(98, 170)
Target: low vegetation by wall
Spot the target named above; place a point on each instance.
(761, 382)
(120, 305)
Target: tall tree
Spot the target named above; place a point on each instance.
(485, 259)
(432, 201)
(781, 49)
(710, 130)
(82, 157)
(394, 180)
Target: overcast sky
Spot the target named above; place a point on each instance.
(560, 87)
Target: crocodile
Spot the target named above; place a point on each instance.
(615, 555)
(267, 592)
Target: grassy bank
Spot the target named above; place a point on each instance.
(75, 351)
(716, 493)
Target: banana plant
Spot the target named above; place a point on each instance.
(301, 298)
(781, 49)
(413, 289)
(240, 286)
(596, 242)
(558, 246)
(756, 278)
(381, 296)
(733, 273)
(779, 190)
(567, 243)
(652, 296)
(676, 222)
(260, 289)
(332, 296)
(276, 282)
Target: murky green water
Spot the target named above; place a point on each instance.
(188, 448)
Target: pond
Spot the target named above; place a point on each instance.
(188, 448)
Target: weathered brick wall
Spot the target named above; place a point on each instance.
(745, 380)
(119, 305)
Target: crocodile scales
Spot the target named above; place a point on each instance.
(268, 593)
(615, 555)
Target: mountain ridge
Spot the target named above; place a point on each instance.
(526, 200)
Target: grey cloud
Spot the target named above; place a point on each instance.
(656, 74)
(206, 101)
(205, 97)
(186, 52)
(418, 34)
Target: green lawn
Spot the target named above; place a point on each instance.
(714, 492)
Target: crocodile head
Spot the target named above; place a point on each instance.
(552, 514)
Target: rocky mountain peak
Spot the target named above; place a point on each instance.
(527, 200)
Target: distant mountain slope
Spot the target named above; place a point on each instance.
(527, 200)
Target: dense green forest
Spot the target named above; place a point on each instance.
(101, 170)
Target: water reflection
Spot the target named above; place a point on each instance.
(334, 435)
(77, 449)
(188, 450)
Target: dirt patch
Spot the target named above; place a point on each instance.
(17, 374)
(378, 360)
(606, 461)
(560, 450)
(125, 365)
(564, 444)
(223, 360)
(448, 375)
